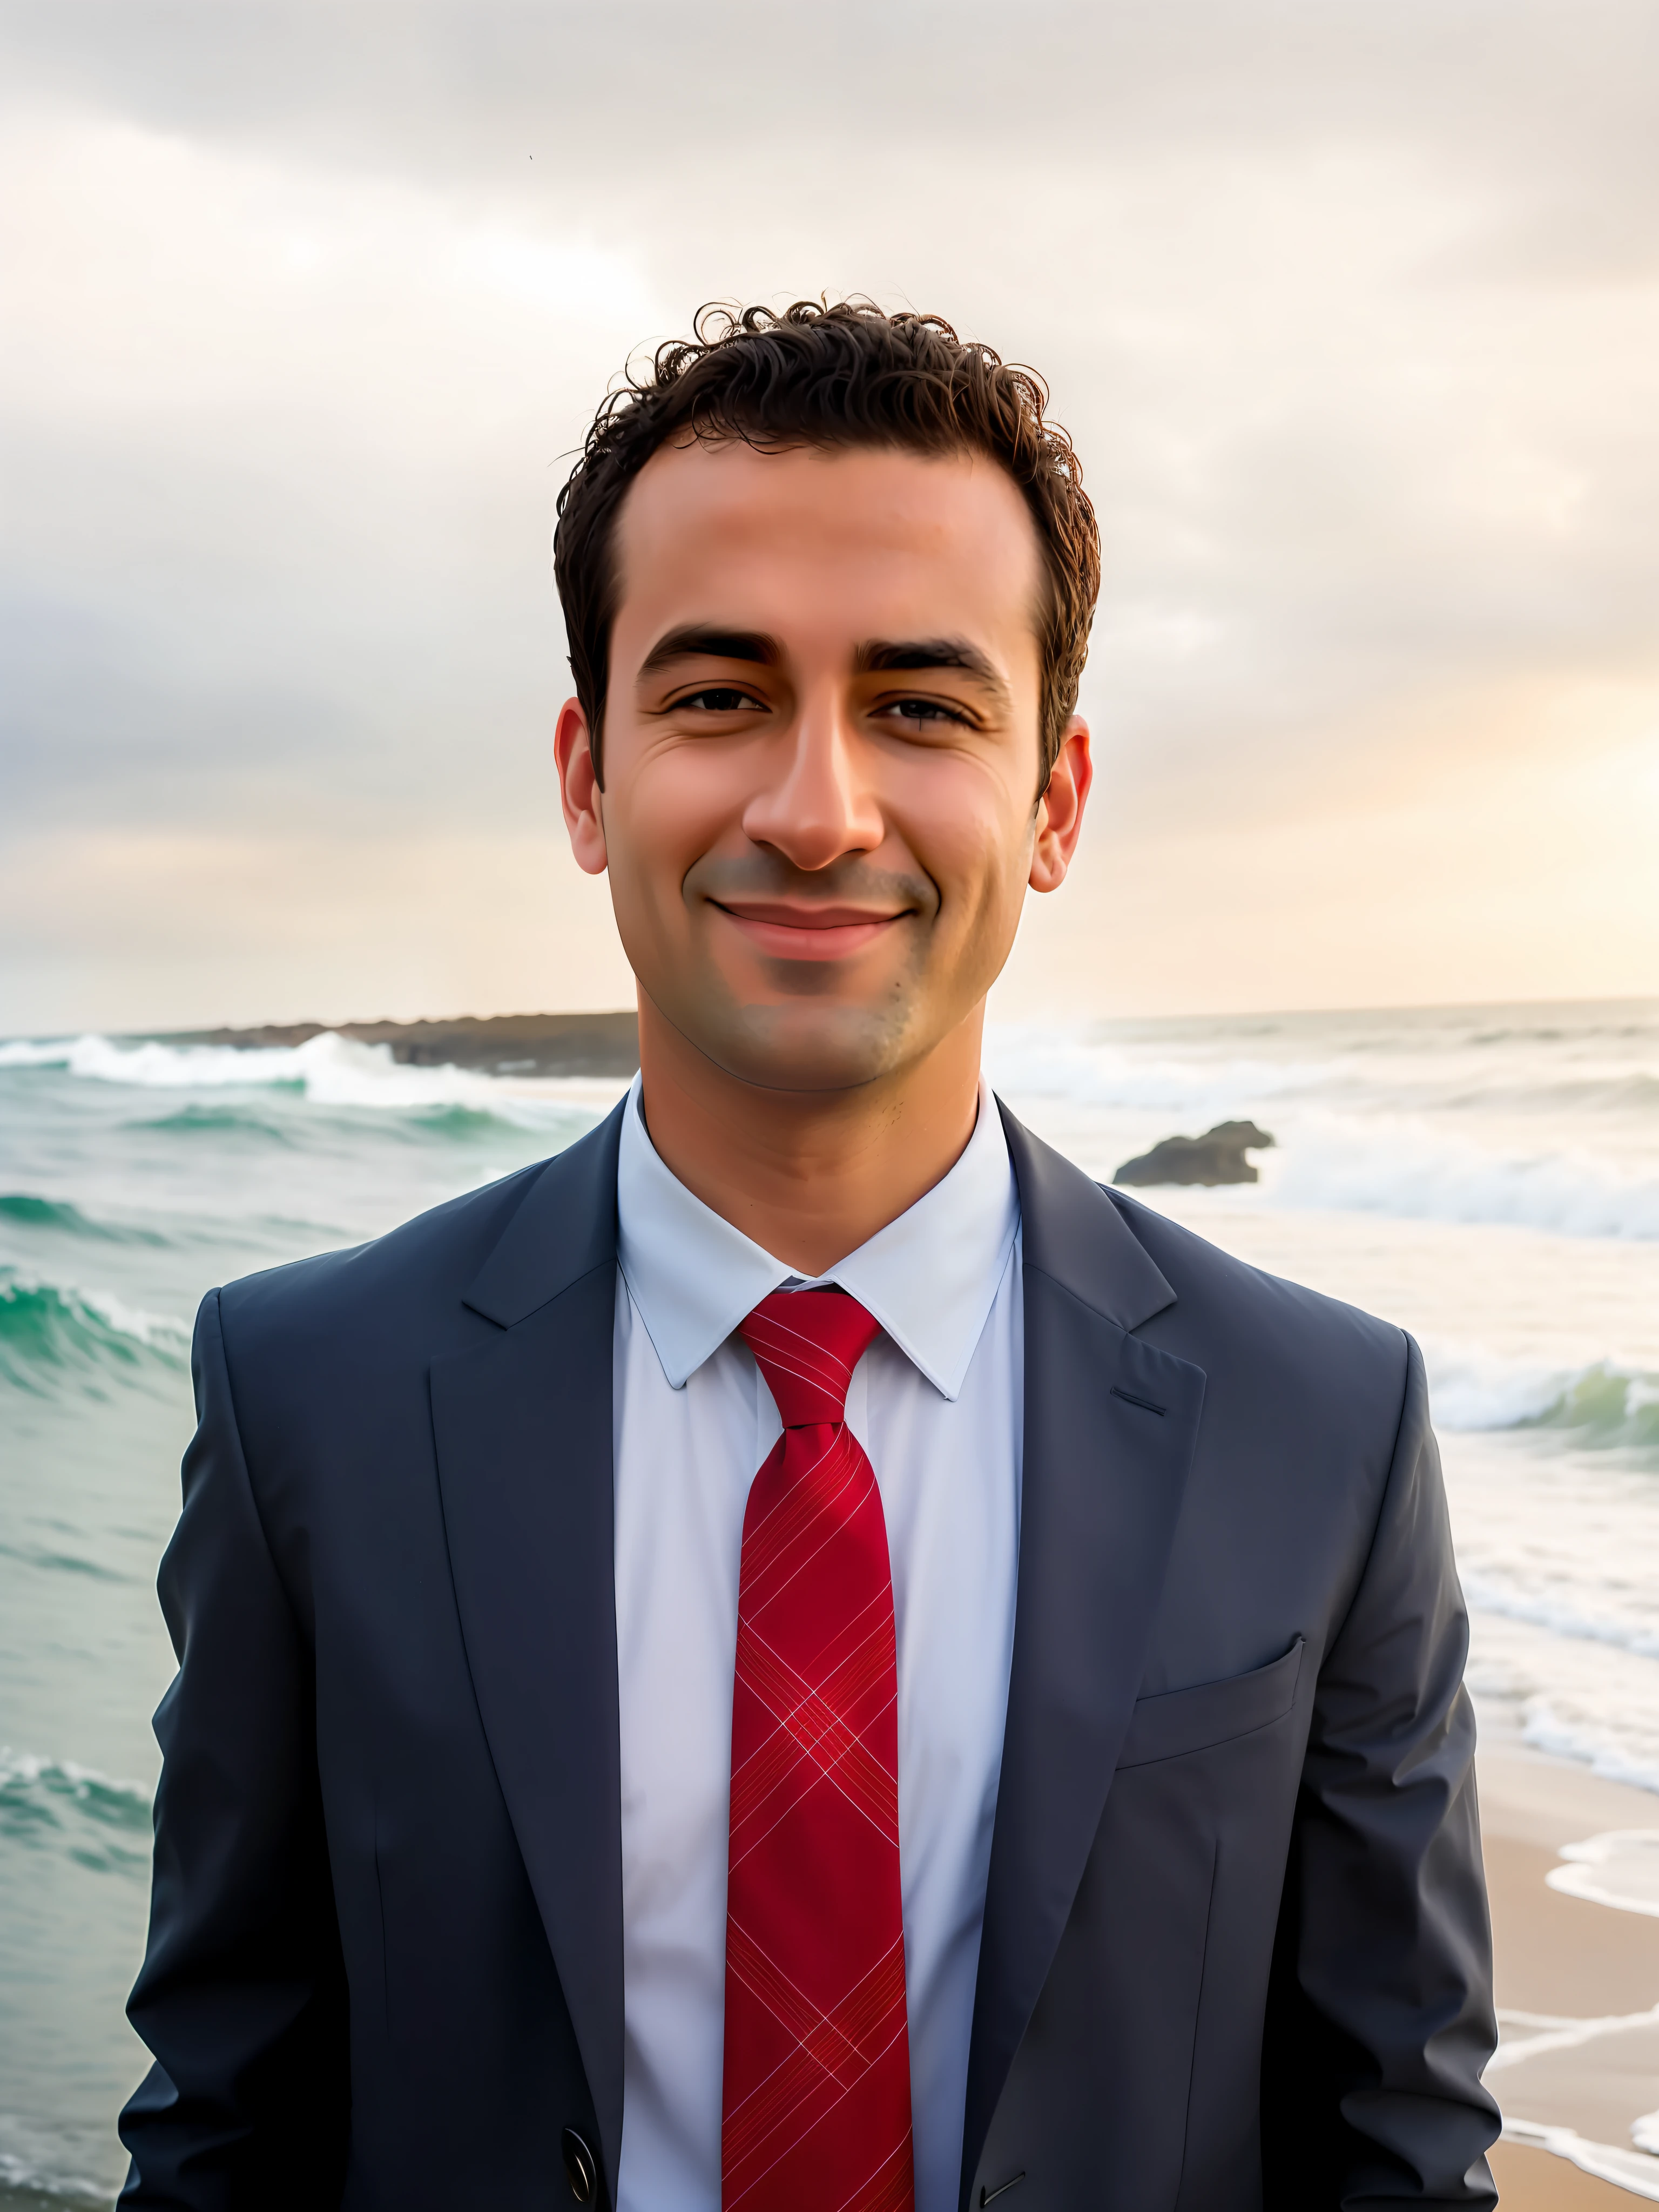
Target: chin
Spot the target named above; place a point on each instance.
(813, 1047)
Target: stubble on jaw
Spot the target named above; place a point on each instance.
(797, 1043)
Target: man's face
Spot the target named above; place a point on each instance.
(820, 752)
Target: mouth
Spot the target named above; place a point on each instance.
(787, 932)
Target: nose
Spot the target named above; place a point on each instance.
(816, 803)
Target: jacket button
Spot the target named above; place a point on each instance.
(580, 2168)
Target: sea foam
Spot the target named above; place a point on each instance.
(1443, 1122)
(1619, 1868)
(329, 1069)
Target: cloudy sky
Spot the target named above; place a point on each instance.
(1353, 307)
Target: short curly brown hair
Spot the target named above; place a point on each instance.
(829, 374)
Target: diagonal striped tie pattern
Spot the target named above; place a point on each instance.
(816, 2100)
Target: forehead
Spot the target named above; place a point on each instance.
(866, 540)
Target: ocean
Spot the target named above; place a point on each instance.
(1488, 1177)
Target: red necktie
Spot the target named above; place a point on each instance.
(817, 2108)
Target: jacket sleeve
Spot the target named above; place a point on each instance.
(1382, 2017)
(242, 1994)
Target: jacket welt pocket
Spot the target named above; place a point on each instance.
(1182, 1721)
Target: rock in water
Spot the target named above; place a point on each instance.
(1216, 1157)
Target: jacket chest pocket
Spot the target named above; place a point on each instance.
(1178, 1722)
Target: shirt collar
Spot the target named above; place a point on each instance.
(930, 1278)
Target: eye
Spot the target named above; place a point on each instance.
(722, 699)
(923, 711)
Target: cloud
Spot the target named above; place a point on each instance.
(1354, 312)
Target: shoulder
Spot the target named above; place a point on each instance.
(412, 1273)
(434, 1284)
(1274, 1346)
(1258, 1335)
(1223, 1289)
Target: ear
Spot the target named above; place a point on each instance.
(1059, 810)
(580, 795)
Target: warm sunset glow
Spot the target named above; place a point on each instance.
(1358, 342)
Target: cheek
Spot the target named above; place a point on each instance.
(663, 815)
(968, 831)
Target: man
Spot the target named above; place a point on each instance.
(801, 1655)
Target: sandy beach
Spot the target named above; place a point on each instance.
(1577, 1987)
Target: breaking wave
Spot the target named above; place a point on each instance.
(1418, 1175)
(1603, 1404)
(48, 1804)
(51, 1333)
(1417, 1121)
(327, 1070)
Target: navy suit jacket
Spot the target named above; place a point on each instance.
(1236, 1947)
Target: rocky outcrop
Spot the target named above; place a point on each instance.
(1217, 1156)
(503, 1044)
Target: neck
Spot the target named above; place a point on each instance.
(808, 1176)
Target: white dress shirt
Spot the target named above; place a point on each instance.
(937, 1403)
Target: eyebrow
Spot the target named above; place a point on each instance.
(705, 641)
(881, 654)
(708, 641)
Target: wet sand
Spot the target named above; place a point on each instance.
(1577, 1987)
(1532, 2181)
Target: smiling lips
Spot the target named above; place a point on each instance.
(807, 933)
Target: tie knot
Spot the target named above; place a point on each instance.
(807, 1344)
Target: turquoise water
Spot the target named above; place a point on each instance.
(120, 1203)
(1490, 1177)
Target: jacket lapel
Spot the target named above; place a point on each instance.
(523, 1424)
(1110, 1427)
